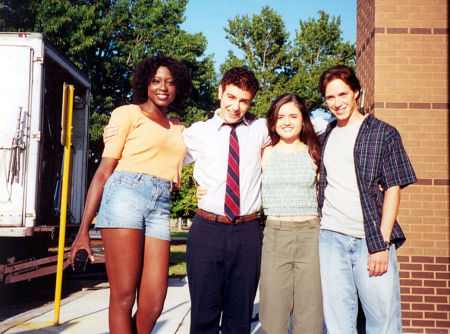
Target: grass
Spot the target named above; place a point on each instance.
(177, 261)
(179, 234)
(177, 266)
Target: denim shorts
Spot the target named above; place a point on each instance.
(136, 201)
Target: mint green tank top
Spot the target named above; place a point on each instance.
(289, 184)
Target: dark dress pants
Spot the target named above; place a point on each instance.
(223, 265)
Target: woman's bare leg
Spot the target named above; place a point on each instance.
(153, 288)
(123, 257)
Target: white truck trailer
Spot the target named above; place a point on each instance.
(32, 74)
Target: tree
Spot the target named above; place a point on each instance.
(10, 10)
(282, 66)
(264, 41)
(106, 39)
(184, 201)
(318, 45)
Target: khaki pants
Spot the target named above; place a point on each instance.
(290, 278)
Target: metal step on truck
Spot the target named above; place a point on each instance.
(32, 75)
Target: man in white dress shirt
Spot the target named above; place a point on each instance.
(223, 254)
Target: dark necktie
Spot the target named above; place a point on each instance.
(232, 200)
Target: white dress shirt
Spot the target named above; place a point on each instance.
(207, 145)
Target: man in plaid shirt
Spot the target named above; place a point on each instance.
(363, 167)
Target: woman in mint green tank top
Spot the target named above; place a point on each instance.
(290, 273)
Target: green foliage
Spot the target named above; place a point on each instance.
(263, 39)
(98, 121)
(282, 66)
(318, 45)
(184, 201)
(11, 10)
(107, 38)
(264, 42)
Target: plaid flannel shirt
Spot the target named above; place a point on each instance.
(380, 159)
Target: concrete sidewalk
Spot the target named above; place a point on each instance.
(86, 312)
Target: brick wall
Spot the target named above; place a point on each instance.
(365, 60)
(402, 60)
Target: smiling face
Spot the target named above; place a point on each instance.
(341, 100)
(289, 122)
(161, 89)
(234, 103)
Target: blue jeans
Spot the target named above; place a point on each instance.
(344, 276)
(136, 201)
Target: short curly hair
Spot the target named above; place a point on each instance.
(146, 70)
(242, 78)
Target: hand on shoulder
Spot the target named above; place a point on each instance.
(109, 131)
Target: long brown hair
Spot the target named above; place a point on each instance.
(307, 134)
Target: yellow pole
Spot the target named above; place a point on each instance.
(67, 111)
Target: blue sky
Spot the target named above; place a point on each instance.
(211, 16)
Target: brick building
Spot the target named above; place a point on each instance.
(402, 62)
